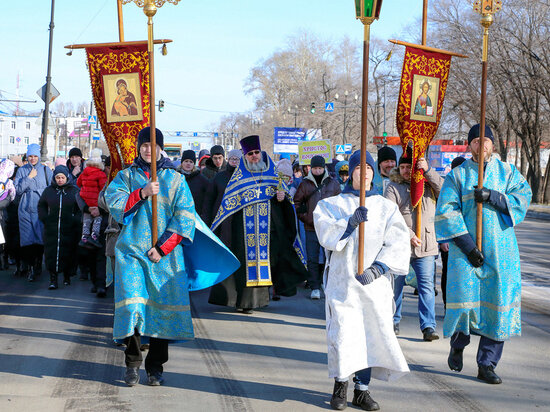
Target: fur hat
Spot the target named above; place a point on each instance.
(95, 159)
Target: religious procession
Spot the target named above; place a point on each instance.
(266, 271)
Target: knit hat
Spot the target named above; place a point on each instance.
(406, 157)
(60, 161)
(217, 150)
(75, 151)
(61, 169)
(317, 161)
(33, 150)
(144, 136)
(386, 153)
(250, 143)
(189, 155)
(203, 152)
(234, 153)
(285, 167)
(95, 156)
(457, 161)
(355, 160)
(474, 133)
(204, 158)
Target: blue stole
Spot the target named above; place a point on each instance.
(251, 192)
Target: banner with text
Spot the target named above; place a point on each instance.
(287, 139)
(306, 150)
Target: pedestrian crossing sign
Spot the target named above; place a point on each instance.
(329, 107)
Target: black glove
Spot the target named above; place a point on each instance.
(482, 195)
(476, 257)
(360, 215)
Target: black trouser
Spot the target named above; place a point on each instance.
(444, 260)
(32, 256)
(312, 251)
(157, 356)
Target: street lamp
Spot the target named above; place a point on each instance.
(295, 113)
(336, 96)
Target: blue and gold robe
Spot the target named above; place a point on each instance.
(153, 298)
(485, 300)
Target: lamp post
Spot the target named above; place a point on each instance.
(295, 113)
(150, 9)
(336, 97)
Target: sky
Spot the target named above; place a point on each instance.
(215, 44)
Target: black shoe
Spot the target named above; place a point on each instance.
(455, 359)
(429, 334)
(155, 379)
(31, 277)
(248, 311)
(396, 328)
(487, 374)
(94, 242)
(364, 400)
(276, 297)
(132, 376)
(339, 400)
(66, 280)
(93, 289)
(101, 292)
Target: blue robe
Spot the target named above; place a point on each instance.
(485, 300)
(153, 298)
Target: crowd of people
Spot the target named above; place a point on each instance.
(274, 226)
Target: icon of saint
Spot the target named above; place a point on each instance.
(125, 102)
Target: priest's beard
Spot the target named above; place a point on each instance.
(486, 158)
(256, 167)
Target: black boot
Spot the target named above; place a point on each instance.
(18, 272)
(53, 281)
(339, 400)
(487, 374)
(66, 279)
(31, 277)
(364, 400)
(455, 359)
(38, 269)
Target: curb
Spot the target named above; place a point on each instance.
(532, 214)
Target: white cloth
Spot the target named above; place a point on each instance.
(360, 318)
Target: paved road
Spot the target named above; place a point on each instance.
(56, 354)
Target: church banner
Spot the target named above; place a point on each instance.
(423, 85)
(119, 77)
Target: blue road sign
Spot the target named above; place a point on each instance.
(195, 134)
(215, 134)
(329, 107)
(343, 148)
(92, 120)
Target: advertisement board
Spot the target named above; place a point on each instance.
(306, 150)
(287, 139)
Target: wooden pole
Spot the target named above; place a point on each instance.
(363, 170)
(486, 21)
(150, 10)
(419, 206)
(120, 22)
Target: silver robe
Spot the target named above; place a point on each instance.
(360, 318)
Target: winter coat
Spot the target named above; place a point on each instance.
(29, 192)
(210, 170)
(307, 193)
(72, 177)
(91, 181)
(214, 196)
(198, 184)
(399, 192)
(59, 212)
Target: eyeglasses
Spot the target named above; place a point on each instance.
(234, 159)
(253, 152)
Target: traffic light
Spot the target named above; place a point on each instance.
(161, 105)
(384, 134)
(312, 109)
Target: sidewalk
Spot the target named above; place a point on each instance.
(538, 211)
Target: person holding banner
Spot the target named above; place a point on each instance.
(483, 286)
(152, 281)
(258, 211)
(359, 307)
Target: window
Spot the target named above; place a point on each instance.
(28, 125)
(13, 124)
(12, 139)
(26, 139)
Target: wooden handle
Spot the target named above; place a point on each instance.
(151, 54)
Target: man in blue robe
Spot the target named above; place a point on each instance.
(483, 286)
(152, 282)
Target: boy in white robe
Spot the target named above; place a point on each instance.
(359, 307)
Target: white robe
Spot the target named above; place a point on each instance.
(360, 318)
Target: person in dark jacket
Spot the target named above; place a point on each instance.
(216, 163)
(13, 245)
(216, 190)
(59, 212)
(197, 182)
(316, 185)
(75, 164)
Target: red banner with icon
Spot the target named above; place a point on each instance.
(423, 85)
(119, 77)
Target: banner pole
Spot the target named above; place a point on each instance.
(150, 9)
(363, 170)
(120, 21)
